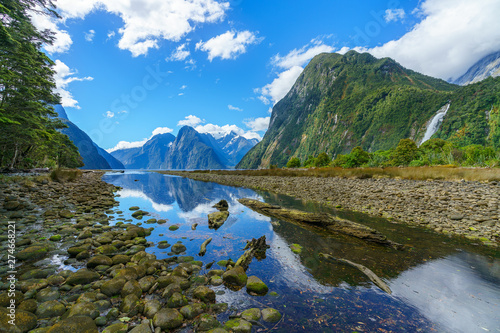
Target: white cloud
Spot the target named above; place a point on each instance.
(89, 36)
(394, 15)
(63, 77)
(109, 114)
(147, 22)
(234, 108)
(111, 34)
(229, 45)
(127, 145)
(62, 41)
(451, 37)
(180, 53)
(258, 124)
(183, 87)
(190, 121)
(162, 130)
(292, 66)
(300, 57)
(138, 144)
(281, 85)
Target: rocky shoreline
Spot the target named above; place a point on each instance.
(77, 272)
(466, 208)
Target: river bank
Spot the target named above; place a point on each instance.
(65, 265)
(465, 208)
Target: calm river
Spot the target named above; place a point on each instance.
(438, 284)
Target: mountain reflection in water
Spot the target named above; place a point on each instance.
(438, 283)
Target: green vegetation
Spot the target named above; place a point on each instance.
(294, 162)
(27, 120)
(342, 102)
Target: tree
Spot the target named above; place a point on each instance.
(28, 122)
(294, 162)
(322, 160)
(405, 152)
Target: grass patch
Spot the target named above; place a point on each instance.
(413, 173)
(65, 175)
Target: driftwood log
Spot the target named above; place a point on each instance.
(203, 248)
(363, 269)
(325, 221)
(254, 248)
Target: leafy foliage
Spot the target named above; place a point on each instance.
(294, 162)
(27, 119)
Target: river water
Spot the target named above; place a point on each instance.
(439, 284)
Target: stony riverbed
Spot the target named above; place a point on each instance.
(469, 209)
(77, 272)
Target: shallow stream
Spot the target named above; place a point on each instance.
(439, 284)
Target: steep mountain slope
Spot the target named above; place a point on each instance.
(94, 157)
(484, 68)
(342, 101)
(235, 147)
(191, 150)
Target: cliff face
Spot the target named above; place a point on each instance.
(343, 101)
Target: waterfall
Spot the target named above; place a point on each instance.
(435, 123)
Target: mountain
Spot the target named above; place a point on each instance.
(150, 156)
(484, 68)
(94, 157)
(190, 150)
(235, 147)
(343, 101)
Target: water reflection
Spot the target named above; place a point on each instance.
(435, 285)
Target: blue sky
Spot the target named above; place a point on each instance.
(130, 69)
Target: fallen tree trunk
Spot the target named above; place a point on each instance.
(363, 269)
(323, 220)
(254, 248)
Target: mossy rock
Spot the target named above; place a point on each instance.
(55, 238)
(193, 310)
(32, 252)
(204, 294)
(178, 248)
(296, 248)
(113, 286)
(251, 314)
(24, 322)
(206, 322)
(217, 219)
(116, 328)
(134, 208)
(50, 309)
(75, 324)
(238, 326)
(83, 276)
(255, 285)
(106, 249)
(168, 319)
(235, 277)
(173, 227)
(177, 300)
(271, 315)
(99, 260)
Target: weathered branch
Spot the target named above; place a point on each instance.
(325, 221)
(365, 270)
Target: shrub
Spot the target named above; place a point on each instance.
(310, 161)
(322, 160)
(405, 152)
(294, 162)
